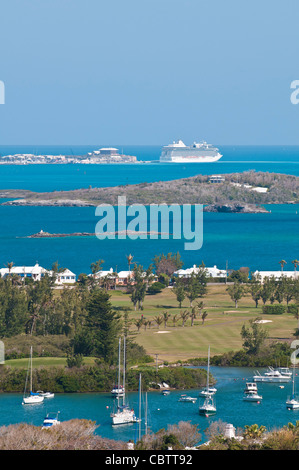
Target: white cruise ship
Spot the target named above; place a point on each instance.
(178, 152)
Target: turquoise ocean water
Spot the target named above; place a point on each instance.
(258, 241)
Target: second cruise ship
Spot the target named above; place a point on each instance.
(178, 152)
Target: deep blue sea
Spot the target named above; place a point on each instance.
(163, 410)
(258, 241)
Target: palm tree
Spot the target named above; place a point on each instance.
(130, 260)
(96, 267)
(204, 316)
(295, 263)
(174, 319)
(9, 266)
(159, 320)
(138, 323)
(166, 316)
(193, 315)
(282, 263)
(184, 316)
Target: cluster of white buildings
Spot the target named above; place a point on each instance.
(123, 278)
(37, 272)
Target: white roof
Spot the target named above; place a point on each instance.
(67, 272)
(214, 270)
(124, 274)
(36, 269)
(103, 273)
(276, 273)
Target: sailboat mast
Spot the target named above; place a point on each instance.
(30, 369)
(208, 371)
(139, 407)
(124, 374)
(145, 419)
(118, 384)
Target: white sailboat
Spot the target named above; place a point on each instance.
(293, 402)
(124, 414)
(208, 408)
(33, 398)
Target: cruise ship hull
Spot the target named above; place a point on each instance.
(190, 159)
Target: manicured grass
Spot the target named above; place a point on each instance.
(221, 329)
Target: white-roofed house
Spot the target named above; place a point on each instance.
(35, 272)
(210, 272)
(65, 277)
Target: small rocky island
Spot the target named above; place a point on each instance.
(235, 192)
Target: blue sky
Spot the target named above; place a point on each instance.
(148, 71)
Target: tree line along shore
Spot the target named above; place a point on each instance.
(237, 192)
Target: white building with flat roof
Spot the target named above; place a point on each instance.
(210, 272)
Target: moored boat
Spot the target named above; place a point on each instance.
(187, 399)
(208, 407)
(32, 398)
(272, 376)
(50, 420)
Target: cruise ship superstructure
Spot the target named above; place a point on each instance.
(178, 152)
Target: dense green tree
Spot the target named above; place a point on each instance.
(253, 336)
(103, 322)
(236, 292)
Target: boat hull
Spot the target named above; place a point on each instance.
(272, 379)
(34, 400)
(207, 411)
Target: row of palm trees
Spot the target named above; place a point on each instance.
(283, 262)
(165, 317)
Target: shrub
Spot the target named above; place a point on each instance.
(274, 309)
(155, 288)
(292, 309)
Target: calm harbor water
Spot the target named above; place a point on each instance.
(163, 410)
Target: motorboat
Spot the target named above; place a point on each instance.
(250, 387)
(50, 420)
(252, 396)
(187, 399)
(209, 391)
(46, 394)
(251, 393)
(165, 392)
(118, 391)
(272, 376)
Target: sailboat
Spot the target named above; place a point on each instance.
(33, 398)
(293, 402)
(124, 414)
(208, 407)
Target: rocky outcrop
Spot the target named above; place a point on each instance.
(235, 208)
